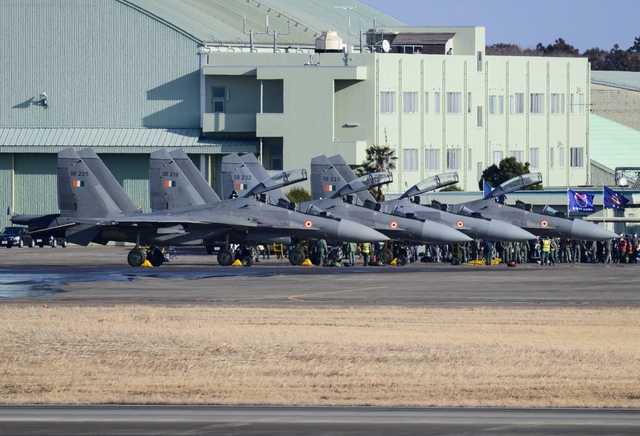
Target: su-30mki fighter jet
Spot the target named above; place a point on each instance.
(548, 223)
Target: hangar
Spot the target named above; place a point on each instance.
(287, 79)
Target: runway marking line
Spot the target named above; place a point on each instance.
(296, 297)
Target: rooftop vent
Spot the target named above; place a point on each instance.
(329, 42)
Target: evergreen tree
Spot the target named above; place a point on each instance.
(509, 168)
(379, 158)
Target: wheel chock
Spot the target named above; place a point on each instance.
(394, 261)
(236, 263)
(306, 262)
(147, 264)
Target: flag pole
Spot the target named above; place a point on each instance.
(568, 205)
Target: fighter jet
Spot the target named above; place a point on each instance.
(89, 213)
(548, 223)
(190, 191)
(476, 227)
(402, 228)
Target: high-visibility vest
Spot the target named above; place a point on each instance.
(366, 247)
(546, 245)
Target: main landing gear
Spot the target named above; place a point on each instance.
(245, 254)
(137, 256)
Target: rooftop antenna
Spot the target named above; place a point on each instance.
(266, 32)
(349, 9)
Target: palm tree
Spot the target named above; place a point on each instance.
(379, 158)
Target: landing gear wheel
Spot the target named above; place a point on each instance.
(385, 256)
(155, 256)
(296, 257)
(402, 260)
(225, 257)
(136, 257)
(246, 260)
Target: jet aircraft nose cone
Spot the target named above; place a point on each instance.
(590, 232)
(436, 233)
(501, 231)
(349, 231)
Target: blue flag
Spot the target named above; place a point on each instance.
(579, 202)
(613, 199)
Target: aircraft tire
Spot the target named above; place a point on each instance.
(246, 260)
(385, 256)
(225, 257)
(155, 257)
(296, 257)
(402, 260)
(136, 257)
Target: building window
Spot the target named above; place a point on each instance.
(453, 159)
(219, 94)
(501, 105)
(561, 157)
(410, 102)
(571, 103)
(454, 102)
(581, 103)
(387, 102)
(410, 159)
(534, 157)
(426, 102)
(276, 157)
(436, 102)
(431, 159)
(551, 158)
(497, 158)
(518, 154)
(469, 158)
(479, 62)
(493, 107)
(480, 116)
(518, 107)
(557, 104)
(577, 160)
(537, 104)
(469, 105)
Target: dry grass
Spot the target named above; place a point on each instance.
(309, 356)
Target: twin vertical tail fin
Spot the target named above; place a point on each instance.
(80, 193)
(108, 181)
(325, 178)
(169, 188)
(194, 176)
(348, 176)
(237, 179)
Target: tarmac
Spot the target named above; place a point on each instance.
(101, 275)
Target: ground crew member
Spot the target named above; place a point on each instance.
(366, 252)
(321, 246)
(546, 249)
(352, 247)
(553, 251)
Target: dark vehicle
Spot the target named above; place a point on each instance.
(15, 237)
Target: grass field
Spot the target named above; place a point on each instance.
(394, 356)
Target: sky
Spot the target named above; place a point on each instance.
(584, 24)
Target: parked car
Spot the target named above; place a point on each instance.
(15, 237)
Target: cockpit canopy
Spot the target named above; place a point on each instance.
(432, 183)
(515, 184)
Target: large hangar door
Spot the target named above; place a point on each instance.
(36, 183)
